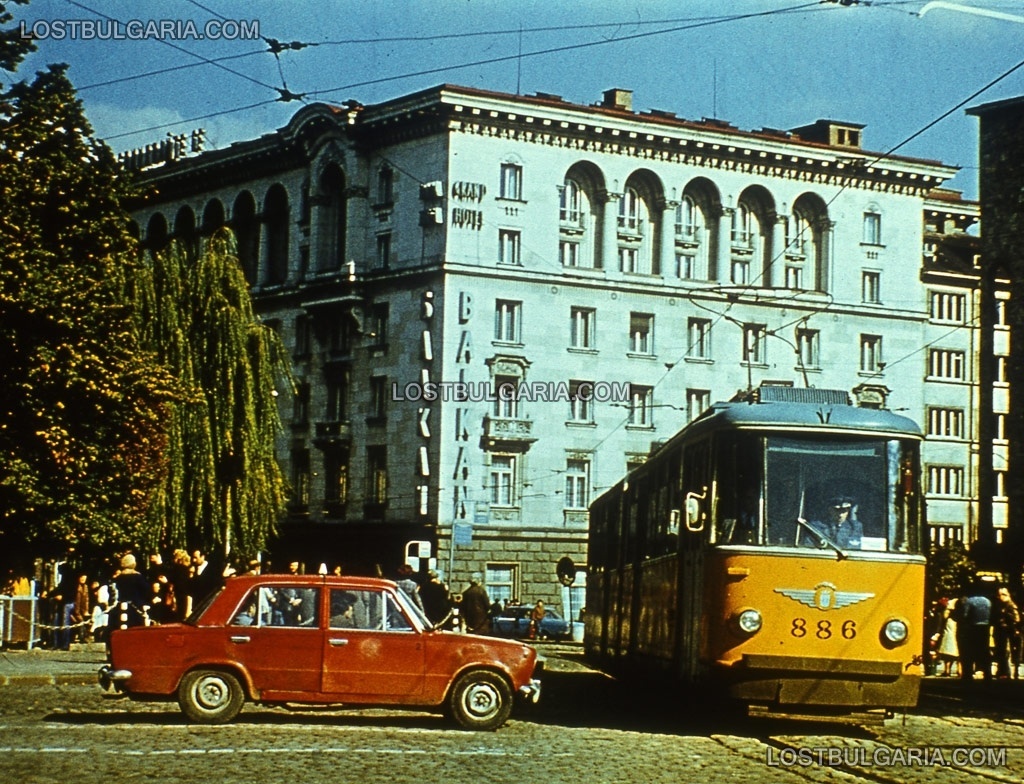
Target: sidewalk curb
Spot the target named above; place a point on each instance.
(35, 679)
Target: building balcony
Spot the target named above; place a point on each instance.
(334, 433)
(507, 434)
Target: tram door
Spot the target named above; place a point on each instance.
(696, 484)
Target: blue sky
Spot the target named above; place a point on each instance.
(754, 63)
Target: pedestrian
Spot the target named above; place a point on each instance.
(63, 603)
(437, 603)
(132, 595)
(536, 616)
(1006, 634)
(180, 577)
(475, 606)
(83, 608)
(409, 585)
(973, 617)
(946, 650)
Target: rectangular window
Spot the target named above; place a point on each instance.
(872, 228)
(629, 259)
(641, 333)
(379, 323)
(303, 336)
(509, 247)
(581, 404)
(948, 307)
(337, 396)
(871, 287)
(698, 338)
(946, 364)
(300, 476)
(507, 317)
(377, 474)
(384, 250)
(336, 476)
(506, 397)
(946, 481)
(503, 479)
(807, 348)
(686, 266)
(569, 253)
(501, 581)
(754, 337)
(378, 397)
(740, 274)
(511, 181)
(871, 354)
(300, 411)
(577, 484)
(385, 185)
(641, 400)
(946, 422)
(794, 276)
(697, 402)
(581, 325)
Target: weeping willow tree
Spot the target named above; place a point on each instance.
(223, 490)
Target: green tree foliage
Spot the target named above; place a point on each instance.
(223, 489)
(950, 570)
(82, 431)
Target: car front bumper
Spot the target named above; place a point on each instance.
(109, 677)
(531, 691)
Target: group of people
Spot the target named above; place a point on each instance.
(82, 608)
(972, 633)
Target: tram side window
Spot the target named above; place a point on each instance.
(828, 493)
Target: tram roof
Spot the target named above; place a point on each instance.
(780, 414)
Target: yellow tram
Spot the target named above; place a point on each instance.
(773, 548)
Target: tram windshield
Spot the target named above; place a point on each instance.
(843, 495)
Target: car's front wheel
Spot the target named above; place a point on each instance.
(210, 696)
(480, 700)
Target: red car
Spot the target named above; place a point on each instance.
(312, 639)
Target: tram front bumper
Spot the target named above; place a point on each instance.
(784, 680)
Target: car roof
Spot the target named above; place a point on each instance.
(312, 580)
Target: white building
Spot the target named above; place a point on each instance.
(524, 242)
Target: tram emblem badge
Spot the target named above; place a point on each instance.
(824, 596)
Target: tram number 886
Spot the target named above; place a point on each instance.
(823, 629)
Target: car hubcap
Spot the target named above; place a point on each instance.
(482, 700)
(211, 693)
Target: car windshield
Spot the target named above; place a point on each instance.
(202, 606)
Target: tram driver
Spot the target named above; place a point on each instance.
(841, 526)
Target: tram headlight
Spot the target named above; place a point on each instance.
(749, 621)
(895, 632)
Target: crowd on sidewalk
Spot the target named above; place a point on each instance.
(975, 636)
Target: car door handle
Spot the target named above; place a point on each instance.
(240, 638)
(338, 641)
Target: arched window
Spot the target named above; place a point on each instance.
(213, 217)
(629, 212)
(185, 229)
(247, 234)
(332, 216)
(276, 224)
(577, 231)
(696, 231)
(156, 232)
(807, 236)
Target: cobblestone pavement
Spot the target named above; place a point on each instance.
(588, 729)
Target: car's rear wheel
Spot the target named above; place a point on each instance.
(210, 696)
(480, 700)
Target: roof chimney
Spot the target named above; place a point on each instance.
(618, 99)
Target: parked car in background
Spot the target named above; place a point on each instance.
(319, 639)
(515, 622)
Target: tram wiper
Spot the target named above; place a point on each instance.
(823, 541)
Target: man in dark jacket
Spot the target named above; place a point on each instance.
(973, 616)
(476, 606)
